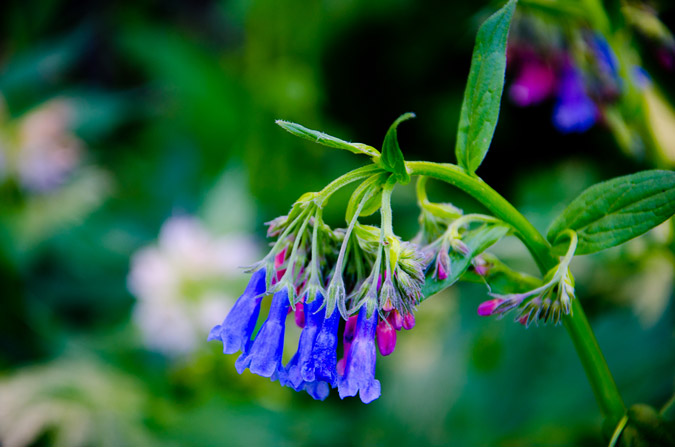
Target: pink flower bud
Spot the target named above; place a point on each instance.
(396, 320)
(387, 307)
(442, 266)
(523, 320)
(386, 337)
(480, 266)
(300, 315)
(340, 367)
(408, 321)
(280, 258)
(350, 330)
(486, 308)
(280, 274)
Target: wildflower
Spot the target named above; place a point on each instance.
(263, 356)
(236, 330)
(547, 303)
(535, 82)
(574, 111)
(359, 373)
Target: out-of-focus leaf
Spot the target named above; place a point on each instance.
(483, 94)
(42, 216)
(477, 240)
(612, 212)
(30, 71)
(326, 140)
(75, 402)
(392, 157)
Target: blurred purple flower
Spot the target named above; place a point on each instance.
(574, 111)
(535, 82)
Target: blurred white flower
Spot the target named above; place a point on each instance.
(47, 151)
(186, 283)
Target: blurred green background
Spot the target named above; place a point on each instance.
(139, 160)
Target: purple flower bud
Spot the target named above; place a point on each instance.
(442, 265)
(480, 266)
(486, 308)
(236, 330)
(299, 315)
(264, 356)
(396, 320)
(359, 376)
(408, 321)
(386, 337)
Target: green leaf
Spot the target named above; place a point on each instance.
(480, 108)
(477, 241)
(612, 212)
(392, 157)
(327, 140)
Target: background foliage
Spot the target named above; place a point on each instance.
(172, 165)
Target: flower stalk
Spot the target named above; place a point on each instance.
(604, 388)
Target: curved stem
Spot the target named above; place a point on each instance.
(501, 208)
(344, 180)
(600, 378)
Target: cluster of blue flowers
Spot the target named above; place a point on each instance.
(580, 95)
(373, 306)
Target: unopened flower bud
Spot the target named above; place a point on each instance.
(487, 308)
(300, 315)
(408, 321)
(386, 337)
(442, 265)
(395, 319)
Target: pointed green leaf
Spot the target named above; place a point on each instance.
(612, 212)
(477, 241)
(327, 140)
(480, 108)
(392, 157)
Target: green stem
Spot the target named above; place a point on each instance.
(344, 180)
(601, 380)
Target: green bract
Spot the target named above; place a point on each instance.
(612, 212)
(327, 140)
(392, 157)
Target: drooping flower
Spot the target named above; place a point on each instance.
(359, 374)
(263, 356)
(546, 303)
(236, 330)
(314, 316)
(574, 111)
